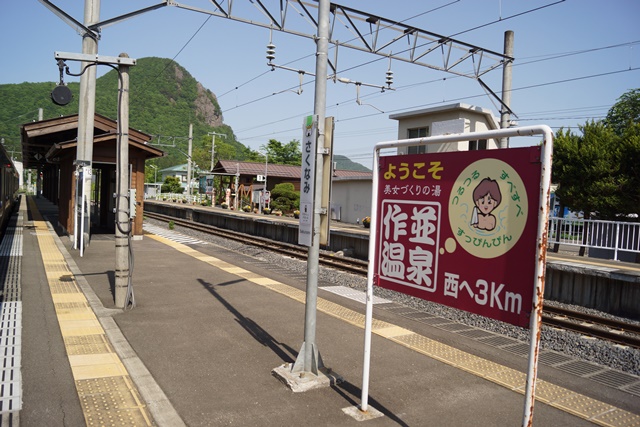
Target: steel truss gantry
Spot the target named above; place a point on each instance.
(353, 29)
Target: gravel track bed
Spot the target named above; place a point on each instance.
(569, 343)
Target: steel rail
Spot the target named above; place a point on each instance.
(349, 265)
(592, 330)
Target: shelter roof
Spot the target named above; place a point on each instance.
(351, 174)
(231, 167)
(176, 168)
(39, 138)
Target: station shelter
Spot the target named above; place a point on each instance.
(241, 178)
(50, 146)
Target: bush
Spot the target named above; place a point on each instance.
(285, 198)
(171, 185)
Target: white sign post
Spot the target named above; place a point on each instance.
(449, 186)
(307, 180)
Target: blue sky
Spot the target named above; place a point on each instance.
(574, 58)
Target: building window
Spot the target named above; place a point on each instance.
(417, 133)
(478, 145)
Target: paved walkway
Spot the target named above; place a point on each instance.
(210, 326)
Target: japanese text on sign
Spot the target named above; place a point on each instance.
(307, 180)
(454, 228)
(410, 241)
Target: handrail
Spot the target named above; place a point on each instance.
(613, 235)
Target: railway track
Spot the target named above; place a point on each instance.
(622, 333)
(350, 265)
(619, 332)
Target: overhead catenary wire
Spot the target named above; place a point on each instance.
(378, 59)
(461, 99)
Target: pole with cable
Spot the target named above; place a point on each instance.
(123, 289)
(86, 116)
(506, 87)
(309, 360)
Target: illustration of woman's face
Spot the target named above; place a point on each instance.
(486, 204)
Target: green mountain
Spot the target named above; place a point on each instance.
(344, 163)
(163, 100)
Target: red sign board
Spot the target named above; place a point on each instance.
(459, 229)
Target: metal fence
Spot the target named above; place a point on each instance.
(613, 235)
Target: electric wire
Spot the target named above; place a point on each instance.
(460, 99)
(332, 47)
(424, 45)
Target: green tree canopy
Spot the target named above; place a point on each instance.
(597, 171)
(287, 154)
(625, 112)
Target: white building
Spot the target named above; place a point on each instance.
(444, 120)
(351, 194)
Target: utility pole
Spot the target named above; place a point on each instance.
(309, 360)
(505, 117)
(86, 115)
(123, 201)
(189, 161)
(213, 147)
(266, 170)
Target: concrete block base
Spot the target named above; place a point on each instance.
(358, 415)
(305, 381)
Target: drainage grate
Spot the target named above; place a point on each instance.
(634, 389)
(475, 333)
(499, 341)
(436, 321)
(418, 315)
(614, 378)
(580, 368)
(519, 349)
(551, 358)
(454, 327)
(172, 235)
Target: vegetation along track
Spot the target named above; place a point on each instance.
(596, 326)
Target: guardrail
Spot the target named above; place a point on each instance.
(613, 235)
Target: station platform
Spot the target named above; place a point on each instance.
(210, 326)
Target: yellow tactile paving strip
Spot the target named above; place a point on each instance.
(107, 394)
(582, 406)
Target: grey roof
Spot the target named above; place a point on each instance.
(280, 171)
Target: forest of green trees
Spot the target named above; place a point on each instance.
(597, 169)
